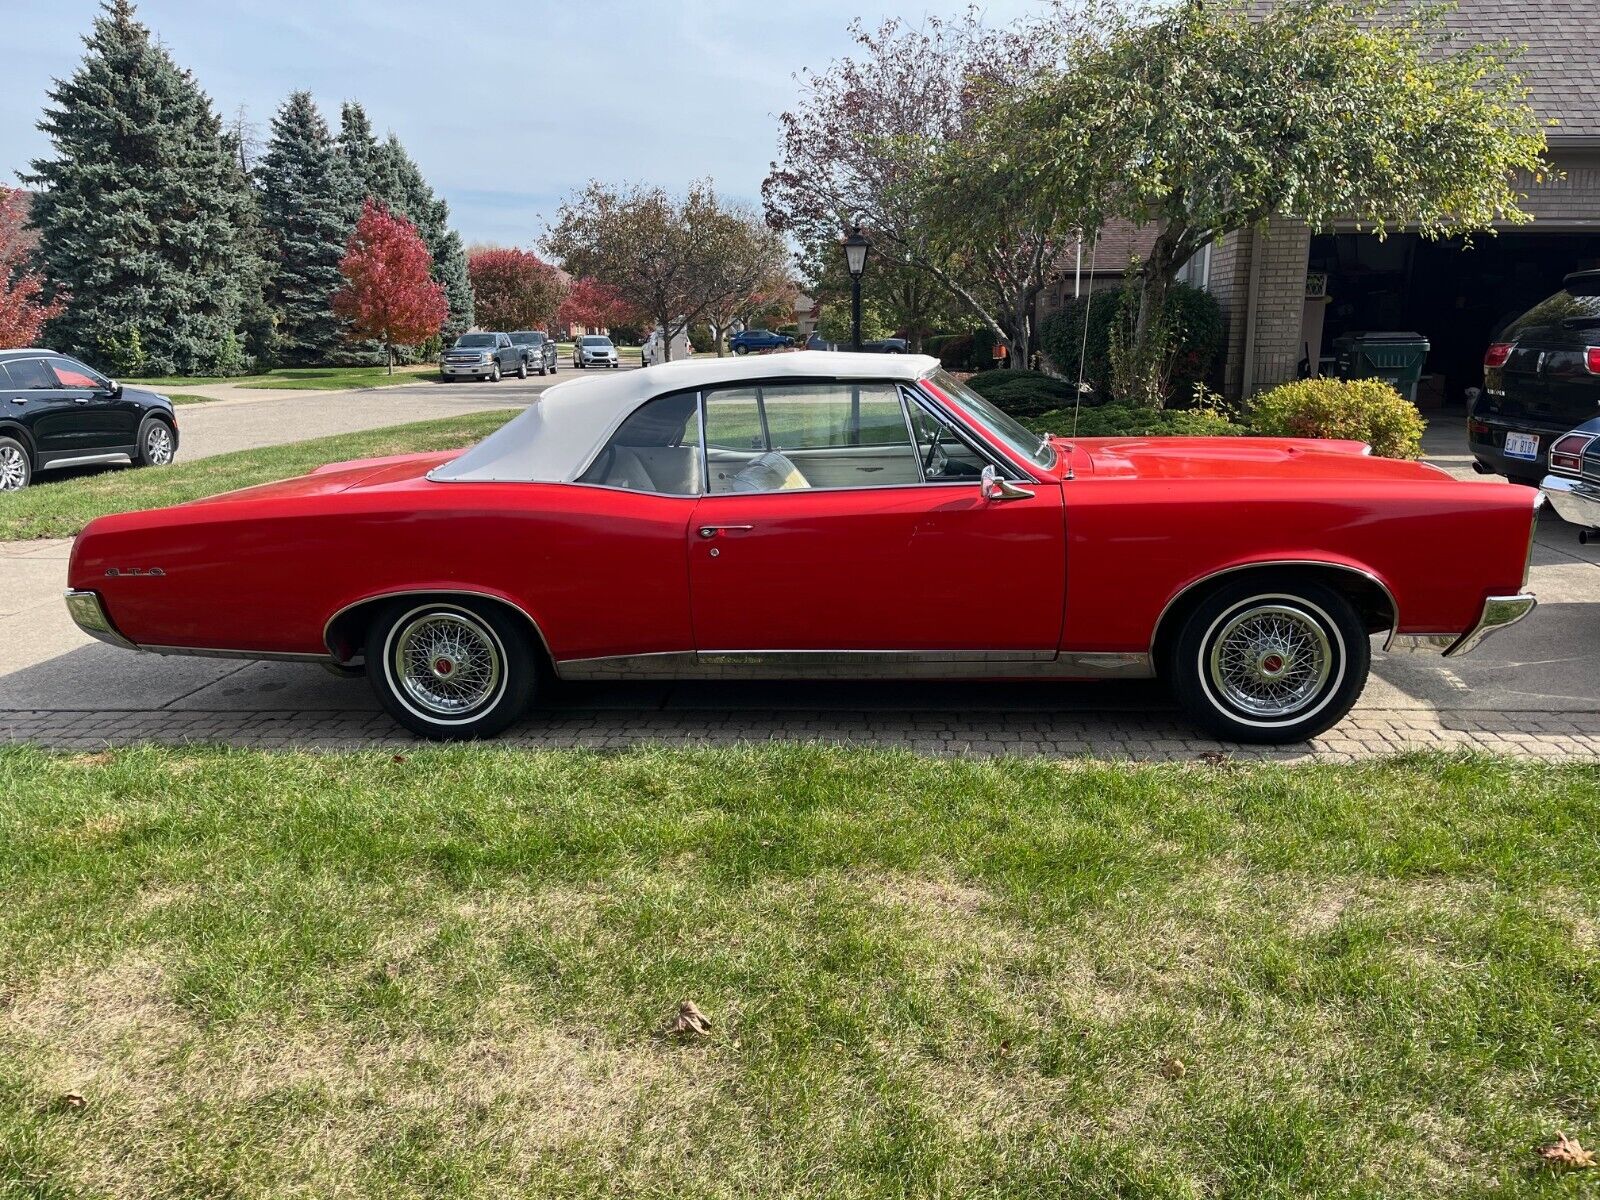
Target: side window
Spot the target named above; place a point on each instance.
(31, 374)
(74, 375)
(654, 450)
(946, 455)
(807, 435)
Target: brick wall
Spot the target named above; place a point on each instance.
(1282, 247)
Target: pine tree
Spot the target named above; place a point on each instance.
(414, 199)
(307, 216)
(140, 209)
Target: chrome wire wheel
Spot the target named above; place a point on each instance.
(13, 468)
(447, 664)
(1270, 661)
(158, 444)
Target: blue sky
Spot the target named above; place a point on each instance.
(505, 105)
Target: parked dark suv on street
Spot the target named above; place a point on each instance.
(57, 412)
(537, 349)
(1540, 379)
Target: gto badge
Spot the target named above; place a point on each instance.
(119, 572)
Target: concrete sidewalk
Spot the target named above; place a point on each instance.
(1534, 690)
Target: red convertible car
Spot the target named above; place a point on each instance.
(823, 516)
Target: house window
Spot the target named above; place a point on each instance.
(1197, 271)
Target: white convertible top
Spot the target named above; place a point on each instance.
(556, 436)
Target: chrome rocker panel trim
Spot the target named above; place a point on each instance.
(1575, 501)
(859, 664)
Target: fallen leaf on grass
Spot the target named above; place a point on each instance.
(391, 971)
(690, 1021)
(71, 1102)
(1172, 1068)
(98, 759)
(399, 758)
(1565, 1154)
(1215, 758)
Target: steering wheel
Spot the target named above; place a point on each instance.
(937, 459)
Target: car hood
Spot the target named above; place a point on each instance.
(1304, 459)
(145, 396)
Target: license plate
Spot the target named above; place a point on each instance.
(1522, 445)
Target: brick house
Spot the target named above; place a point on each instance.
(1287, 291)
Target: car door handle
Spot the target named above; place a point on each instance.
(711, 531)
(80, 399)
(19, 399)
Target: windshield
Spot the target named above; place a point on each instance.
(594, 341)
(523, 338)
(1003, 427)
(474, 341)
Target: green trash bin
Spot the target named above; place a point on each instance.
(1396, 358)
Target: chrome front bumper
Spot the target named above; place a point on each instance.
(1499, 612)
(1576, 501)
(89, 615)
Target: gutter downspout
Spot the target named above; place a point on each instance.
(1252, 294)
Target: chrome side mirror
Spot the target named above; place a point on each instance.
(997, 489)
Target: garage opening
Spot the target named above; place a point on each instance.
(1458, 296)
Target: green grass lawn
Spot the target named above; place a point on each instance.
(62, 508)
(182, 398)
(449, 972)
(322, 379)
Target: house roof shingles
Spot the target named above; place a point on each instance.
(1561, 60)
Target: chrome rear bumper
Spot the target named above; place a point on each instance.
(89, 615)
(1576, 501)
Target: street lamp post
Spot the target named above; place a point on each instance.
(855, 257)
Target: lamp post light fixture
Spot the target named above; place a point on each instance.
(855, 257)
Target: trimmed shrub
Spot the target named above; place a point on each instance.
(1363, 410)
(956, 353)
(1020, 392)
(1194, 316)
(1121, 420)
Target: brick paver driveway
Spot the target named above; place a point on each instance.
(1534, 689)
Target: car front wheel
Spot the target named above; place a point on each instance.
(16, 468)
(157, 446)
(494, 373)
(522, 369)
(1272, 664)
(450, 670)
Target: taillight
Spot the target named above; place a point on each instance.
(1566, 452)
(1497, 353)
(1591, 359)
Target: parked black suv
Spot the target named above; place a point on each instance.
(1541, 378)
(56, 412)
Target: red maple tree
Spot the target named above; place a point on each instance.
(593, 305)
(23, 311)
(514, 289)
(389, 294)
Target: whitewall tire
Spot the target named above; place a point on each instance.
(451, 669)
(1269, 662)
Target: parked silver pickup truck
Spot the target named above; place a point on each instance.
(483, 356)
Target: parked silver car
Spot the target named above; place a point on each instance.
(537, 349)
(594, 351)
(483, 356)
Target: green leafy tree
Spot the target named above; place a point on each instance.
(143, 213)
(307, 216)
(899, 296)
(1210, 117)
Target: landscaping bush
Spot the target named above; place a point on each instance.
(1195, 318)
(1022, 393)
(956, 352)
(1363, 410)
(1121, 420)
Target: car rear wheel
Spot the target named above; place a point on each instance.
(157, 446)
(741, 349)
(16, 468)
(1258, 662)
(450, 670)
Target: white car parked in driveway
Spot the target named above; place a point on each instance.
(594, 351)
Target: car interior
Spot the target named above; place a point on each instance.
(784, 437)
